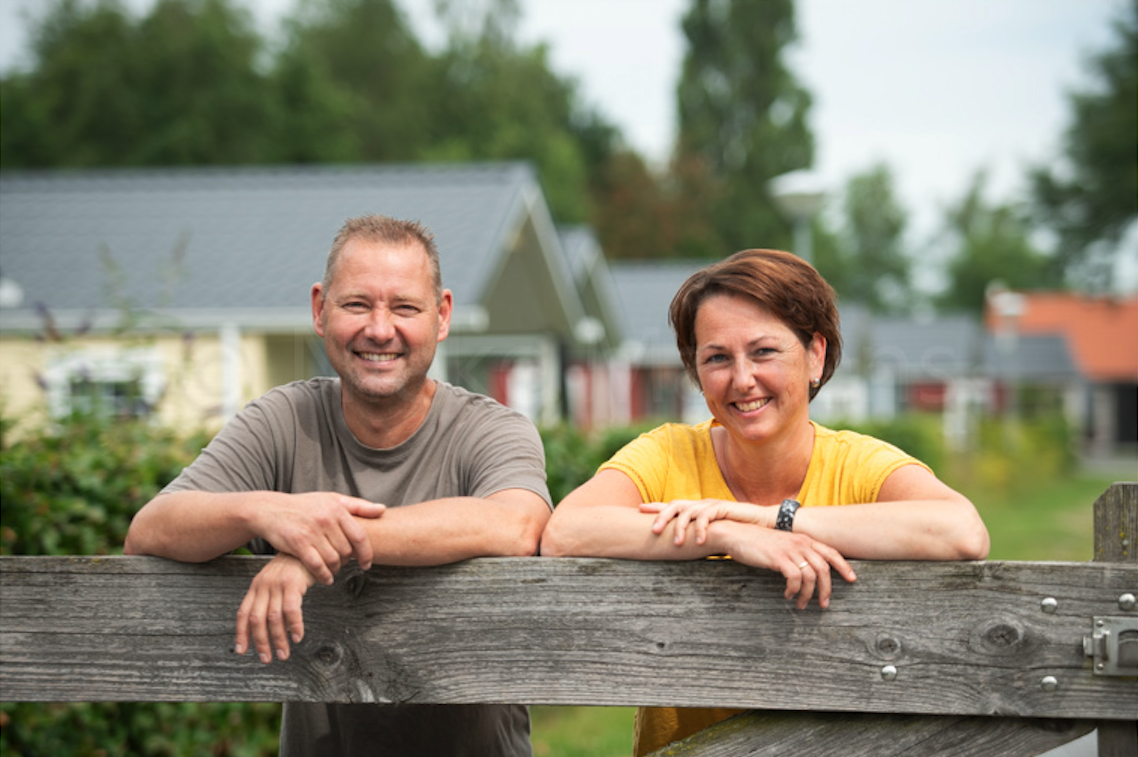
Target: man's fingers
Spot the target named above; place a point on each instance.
(359, 541)
(278, 628)
(241, 642)
(294, 617)
(314, 561)
(363, 508)
(258, 628)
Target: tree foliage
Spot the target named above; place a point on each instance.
(194, 82)
(873, 267)
(992, 244)
(1091, 198)
(743, 113)
(177, 87)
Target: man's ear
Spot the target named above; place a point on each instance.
(318, 308)
(446, 307)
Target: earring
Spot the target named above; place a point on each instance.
(815, 383)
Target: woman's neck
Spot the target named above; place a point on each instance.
(766, 472)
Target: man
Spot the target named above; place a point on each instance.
(382, 464)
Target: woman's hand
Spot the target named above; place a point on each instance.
(700, 512)
(271, 611)
(745, 533)
(804, 562)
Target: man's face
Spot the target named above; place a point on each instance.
(381, 320)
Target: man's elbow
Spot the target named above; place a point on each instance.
(134, 544)
(528, 539)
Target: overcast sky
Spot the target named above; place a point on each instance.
(937, 89)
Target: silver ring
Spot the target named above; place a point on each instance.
(802, 565)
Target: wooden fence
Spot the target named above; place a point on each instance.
(978, 658)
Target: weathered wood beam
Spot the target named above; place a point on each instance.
(908, 637)
(1116, 541)
(836, 734)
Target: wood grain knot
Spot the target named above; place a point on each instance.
(329, 655)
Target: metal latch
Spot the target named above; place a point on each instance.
(1114, 646)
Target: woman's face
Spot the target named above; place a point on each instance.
(754, 370)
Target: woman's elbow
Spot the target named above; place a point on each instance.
(973, 542)
(556, 541)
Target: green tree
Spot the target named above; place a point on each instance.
(743, 112)
(375, 75)
(497, 100)
(181, 86)
(992, 244)
(873, 267)
(1090, 198)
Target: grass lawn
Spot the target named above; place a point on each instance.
(1040, 520)
(582, 731)
(1046, 520)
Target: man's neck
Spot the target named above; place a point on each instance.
(388, 422)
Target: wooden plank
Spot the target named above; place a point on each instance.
(777, 734)
(964, 638)
(1116, 524)
(1116, 541)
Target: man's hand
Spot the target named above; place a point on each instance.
(270, 612)
(320, 530)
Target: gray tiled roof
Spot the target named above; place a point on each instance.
(915, 349)
(1029, 358)
(644, 291)
(251, 239)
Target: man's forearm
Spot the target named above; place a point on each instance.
(191, 526)
(457, 528)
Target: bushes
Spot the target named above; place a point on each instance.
(73, 489)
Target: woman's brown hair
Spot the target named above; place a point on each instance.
(782, 283)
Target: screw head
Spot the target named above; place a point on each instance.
(1127, 601)
(889, 672)
(1049, 683)
(1049, 605)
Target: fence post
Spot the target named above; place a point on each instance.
(1116, 540)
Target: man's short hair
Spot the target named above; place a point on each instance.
(379, 228)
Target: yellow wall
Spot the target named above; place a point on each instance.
(192, 371)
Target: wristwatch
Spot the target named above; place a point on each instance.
(785, 520)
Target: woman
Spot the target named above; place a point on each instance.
(758, 333)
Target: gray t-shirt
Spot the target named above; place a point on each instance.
(294, 439)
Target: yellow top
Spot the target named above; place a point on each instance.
(676, 461)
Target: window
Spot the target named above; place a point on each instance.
(118, 383)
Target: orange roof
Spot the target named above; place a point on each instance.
(1101, 332)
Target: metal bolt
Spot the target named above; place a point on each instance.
(1049, 605)
(1049, 683)
(889, 672)
(1127, 602)
(1100, 623)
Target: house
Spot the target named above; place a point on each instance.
(191, 285)
(653, 377)
(1101, 336)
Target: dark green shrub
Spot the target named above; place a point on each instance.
(72, 489)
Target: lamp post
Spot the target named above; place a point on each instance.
(799, 195)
